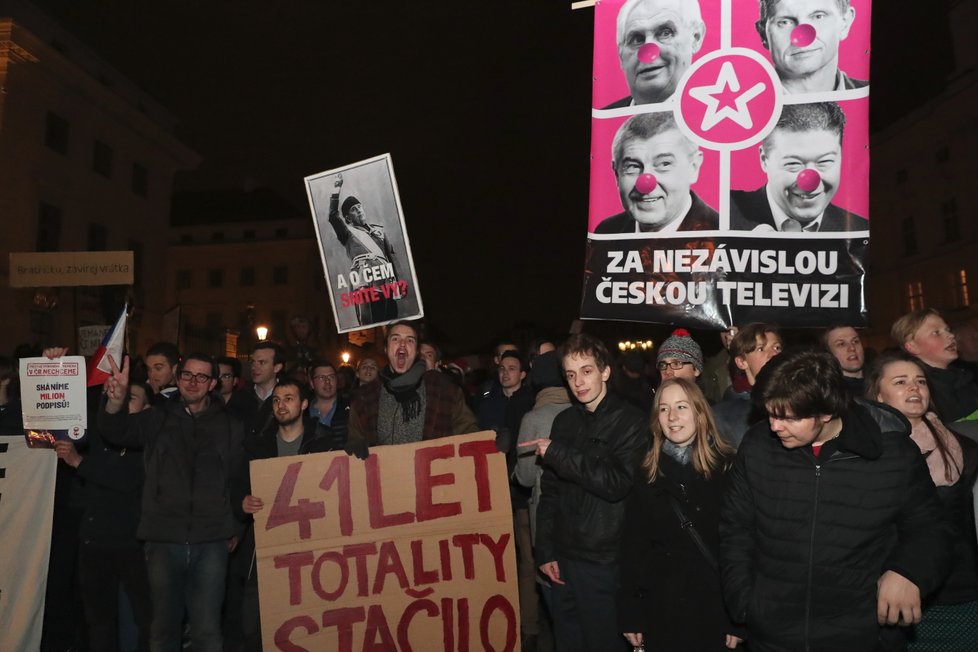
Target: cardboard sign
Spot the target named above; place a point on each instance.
(729, 163)
(410, 549)
(69, 268)
(54, 399)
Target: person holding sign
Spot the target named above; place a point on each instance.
(802, 158)
(656, 43)
(655, 165)
(671, 534)
(407, 403)
(590, 462)
(194, 460)
(292, 432)
(368, 249)
(804, 37)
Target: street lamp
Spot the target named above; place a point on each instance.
(345, 357)
(261, 332)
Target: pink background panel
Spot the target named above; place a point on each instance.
(853, 193)
(609, 82)
(853, 52)
(605, 201)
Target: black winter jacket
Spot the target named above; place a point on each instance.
(669, 591)
(194, 466)
(803, 540)
(589, 469)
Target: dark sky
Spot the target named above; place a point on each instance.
(483, 106)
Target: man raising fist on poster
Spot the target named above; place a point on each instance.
(368, 247)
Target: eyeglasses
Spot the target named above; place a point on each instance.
(675, 364)
(323, 378)
(188, 376)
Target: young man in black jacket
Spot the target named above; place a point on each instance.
(590, 462)
(831, 531)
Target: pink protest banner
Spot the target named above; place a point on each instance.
(729, 162)
(410, 549)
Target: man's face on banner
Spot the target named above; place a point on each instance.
(664, 23)
(831, 27)
(674, 161)
(785, 154)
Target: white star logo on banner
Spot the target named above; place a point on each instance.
(722, 100)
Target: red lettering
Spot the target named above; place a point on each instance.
(496, 549)
(339, 473)
(448, 624)
(284, 632)
(377, 626)
(389, 561)
(343, 620)
(498, 603)
(463, 625)
(359, 552)
(421, 576)
(302, 513)
(407, 616)
(317, 584)
(445, 556)
(375, 499)
(465, 543)
(425, 482)
(479, 452)
(294, 562)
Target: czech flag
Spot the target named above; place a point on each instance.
(112, 344)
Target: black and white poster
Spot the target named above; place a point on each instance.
(364, 244)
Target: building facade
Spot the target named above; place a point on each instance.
(87, 162)
(924, 225)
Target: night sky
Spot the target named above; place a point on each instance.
(485, 108)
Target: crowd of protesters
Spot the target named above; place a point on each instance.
(787, 493)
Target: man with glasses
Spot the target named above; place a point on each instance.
(194, 462)
(680, 357)
(230, 374)
(252, 404)
(330, 410)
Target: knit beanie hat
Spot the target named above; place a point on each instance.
(681, 346)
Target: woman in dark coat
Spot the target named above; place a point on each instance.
(950, 618)
(670, 597)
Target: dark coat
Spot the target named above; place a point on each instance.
(962, 582)
(112, 479)
(699, 217)
(804, 540)
(750, 209)
(669, 591)
(254, 414)
(316, 438)
(952, 391)
(338, 427)
(589, 469)
(446, 412)
(194, 466)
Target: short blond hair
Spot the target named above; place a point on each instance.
(904, 328)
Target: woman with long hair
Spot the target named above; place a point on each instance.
(670, 597)
(950, 618)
